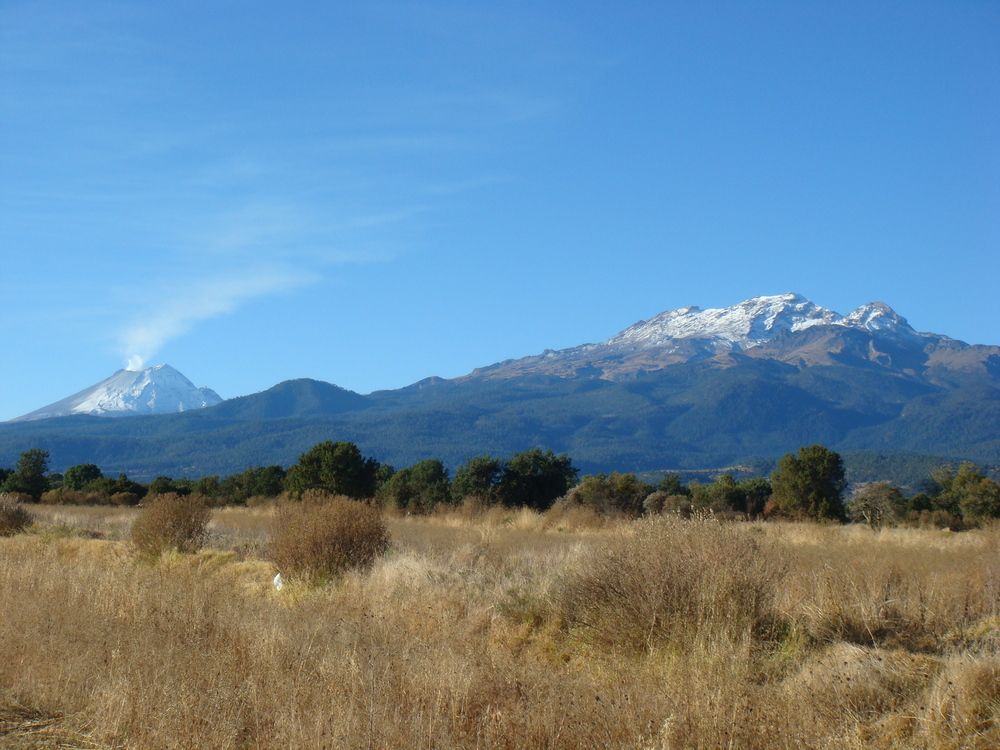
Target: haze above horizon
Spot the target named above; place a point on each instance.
(369, 194)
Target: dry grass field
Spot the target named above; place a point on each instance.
(504, 630)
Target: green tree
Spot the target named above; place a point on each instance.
(810, 484)
(944, 495)
(478, 476)
(624, 493)
(254, 481)
(755, 493)
(420, 487)
(981, 500)
(162, 486)
(338, 468)
(208, 486)
(967, 492)
(121, 486)
(671, 484)
(267, 481)
(919, 503)
(722, 494)
(536, 478)
(382, 476)
(79, 476)
(29, 474)
(725, 493)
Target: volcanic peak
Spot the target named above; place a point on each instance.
(155, 390)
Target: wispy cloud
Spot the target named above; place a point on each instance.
(279, 245)
(198, 302)
(130, 150)
(297, 235)
(462, 186)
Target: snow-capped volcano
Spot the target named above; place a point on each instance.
(155, 390)
(690, 334)
(753, 322)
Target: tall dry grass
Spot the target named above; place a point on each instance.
(484, 632)
(668, 582)
(916, 589)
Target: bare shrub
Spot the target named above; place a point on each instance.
(323, 535)
(259, 501)
(877, 505)
(679, 504)
(937, 519)
(64, 496)
(14, 517)
(671, 581)
(171, 521)
(57, 497)
(124, 498)
(654, 501)
(663, 502)
(567, 516)
(473, 506)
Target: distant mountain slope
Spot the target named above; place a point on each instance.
(155, 390)
(291, 398)
(688, 389)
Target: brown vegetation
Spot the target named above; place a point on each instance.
(508, 629)
(171, 521)
(666, 582)
(14, 517)
(320, 536)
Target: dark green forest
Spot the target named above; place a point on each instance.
(687, 418)
(809, 484)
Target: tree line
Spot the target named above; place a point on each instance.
(808, 484)
(534, 478)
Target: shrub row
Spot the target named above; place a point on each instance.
(315, 538)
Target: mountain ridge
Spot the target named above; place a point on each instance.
(870, 384)
(690, 334)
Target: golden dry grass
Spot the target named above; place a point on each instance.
(504, 630)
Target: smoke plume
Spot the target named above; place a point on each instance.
(179, 312)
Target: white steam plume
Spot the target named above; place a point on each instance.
(196, 302)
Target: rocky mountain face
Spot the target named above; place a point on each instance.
(155, 390)
(788, 328)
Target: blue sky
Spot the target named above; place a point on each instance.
(370, 193)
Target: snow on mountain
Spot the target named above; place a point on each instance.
(753, 322)
(155, 390)
(876, 316)
(690, 334)
(747, 324)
